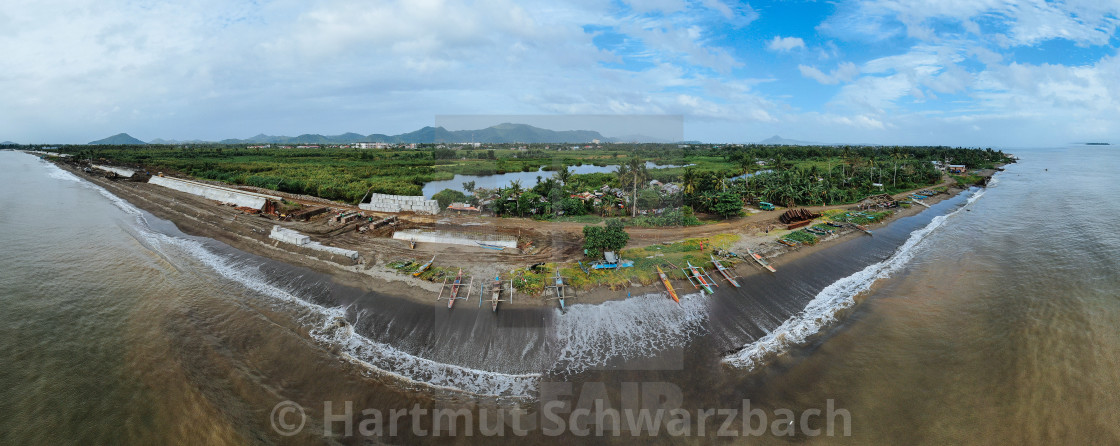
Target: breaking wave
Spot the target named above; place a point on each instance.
(593, 336)
(822, 310)
(58, 173)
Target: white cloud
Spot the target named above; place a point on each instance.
(785, 44)
(1010, 23)
(844, 72)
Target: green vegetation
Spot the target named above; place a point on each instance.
(448, 196)
(668, 256)
(967, 180)
(599, 239)
(802, 237)
(712, 183)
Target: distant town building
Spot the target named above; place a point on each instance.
(957, 168)
(370, 145)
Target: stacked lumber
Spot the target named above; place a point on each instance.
(797, 215)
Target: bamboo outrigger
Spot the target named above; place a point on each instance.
(561, 289)
(761, 261)
(727, 273)
(668, 286)
(455, 287)
(424, 267)
(496, 290)
(699, 278)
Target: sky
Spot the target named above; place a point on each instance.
(976, 73)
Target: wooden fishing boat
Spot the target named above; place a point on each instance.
(496, 291)
(699, 278)
(761, 261)
(458, 283)
(787, 242)
(424, 267)
(668, 286)
(725, 272)
(561, 288)
(456, 287)
(863, 228)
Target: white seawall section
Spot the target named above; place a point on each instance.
(454, 238)
(127, 173)
(217, 193)
(400, 203)
(299, 239)
(289, 236)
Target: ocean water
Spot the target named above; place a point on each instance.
(990, 318)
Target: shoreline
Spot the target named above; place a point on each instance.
(249, 233)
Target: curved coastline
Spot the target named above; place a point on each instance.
(501, 370)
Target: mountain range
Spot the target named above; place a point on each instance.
(779, 141)
(498, 134)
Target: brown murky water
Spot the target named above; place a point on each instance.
(988, 319)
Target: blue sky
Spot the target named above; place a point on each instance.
(957, 72)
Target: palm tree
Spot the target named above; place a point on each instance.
(563, 175)
(631, 174)
(688, 180)
(896, 155)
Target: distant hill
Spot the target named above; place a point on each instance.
(119, 139)
(779, 141)
(8, 143)
(501, 133)
(173, 141)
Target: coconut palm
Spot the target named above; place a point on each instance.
(563, 175)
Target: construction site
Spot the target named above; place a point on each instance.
(379, 243)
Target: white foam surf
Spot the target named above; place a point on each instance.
(57, 173)
(591, 336)
(822, 310)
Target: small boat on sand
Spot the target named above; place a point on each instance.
(727, 273)
(668, 286)
(761, 261)
(699, 278)
(424, 267)
(561, 288)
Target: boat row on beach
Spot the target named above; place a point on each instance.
(560, 289)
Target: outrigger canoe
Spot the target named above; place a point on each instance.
(725, 272)
(761, 261)
(668, 286)
(699, 278)
(458, 283)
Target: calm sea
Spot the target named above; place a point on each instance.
(991, 318)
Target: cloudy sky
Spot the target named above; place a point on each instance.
(959, 72)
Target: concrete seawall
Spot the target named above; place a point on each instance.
(400, 203)
(217, 193)
(127, 173)
(454, 238)
(296, 238)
